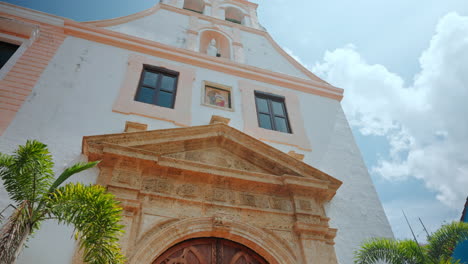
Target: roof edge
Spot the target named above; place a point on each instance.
(158, 6)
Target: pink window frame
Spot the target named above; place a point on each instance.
(297, 138)
(126, 104)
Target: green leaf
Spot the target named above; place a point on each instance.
(445, 239)
(28, 179)
(96, 216)
(68, 172)
(27, 174)
(391, 251)
(438, 251)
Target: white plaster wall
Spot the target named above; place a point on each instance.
(74, 98)
(164, 26)
(259, 52)
(356, 209)
(170, 28)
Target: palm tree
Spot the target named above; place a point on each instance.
(438, 250)
(29, 180)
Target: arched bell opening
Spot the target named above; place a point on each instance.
(215, 44)
(194, 5)
(234, 15)
(209, 250)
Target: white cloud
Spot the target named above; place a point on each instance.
(426, 122)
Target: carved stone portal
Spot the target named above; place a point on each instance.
(214, 181)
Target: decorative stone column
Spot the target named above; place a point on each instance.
(208, 9)
(316, 238)
(220, 13)
(253, 19)
(246, 20)
(130, 220)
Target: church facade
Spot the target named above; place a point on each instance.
(220, 147)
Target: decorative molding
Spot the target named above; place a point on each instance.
(21, 73)
(135, 127)
(198, 59)
(274, 249)
(91, 32)
(213, 20)
(183, 183)
(31, 14)
(215, 119)
(296, 155)
(212, 135)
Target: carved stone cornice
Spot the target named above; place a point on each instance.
(177, 148)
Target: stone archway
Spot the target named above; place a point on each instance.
(160, 239)
(210, 250)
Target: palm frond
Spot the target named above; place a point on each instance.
(95, 215)
(70, 171)
(379, 249)
(413, 253)
(27, 174)
(445, 239)
(448, 261)
(388, 250)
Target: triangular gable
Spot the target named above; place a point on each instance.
(111, 23)
(216, 148)
(217, 156)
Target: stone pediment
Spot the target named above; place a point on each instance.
(216, 149)
(218, 157)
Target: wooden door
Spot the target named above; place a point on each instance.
(209, 251)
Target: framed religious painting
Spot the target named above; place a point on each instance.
(218, 96)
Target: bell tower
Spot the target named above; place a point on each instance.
(236, 11)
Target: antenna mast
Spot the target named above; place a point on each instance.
(420, 250)
(424, 227)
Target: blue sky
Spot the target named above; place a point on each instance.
(403, 66)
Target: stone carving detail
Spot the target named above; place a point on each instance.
(248, 199)
(220, 195)
(305, 205)
(157, 185)
(218, 157)
(218, 221)
(187, 190)
(213, 172)
(281, 204)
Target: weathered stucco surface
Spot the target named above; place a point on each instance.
(155, 27)
(258, 50)
(74, 98)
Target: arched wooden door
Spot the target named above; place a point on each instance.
(209, 251)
